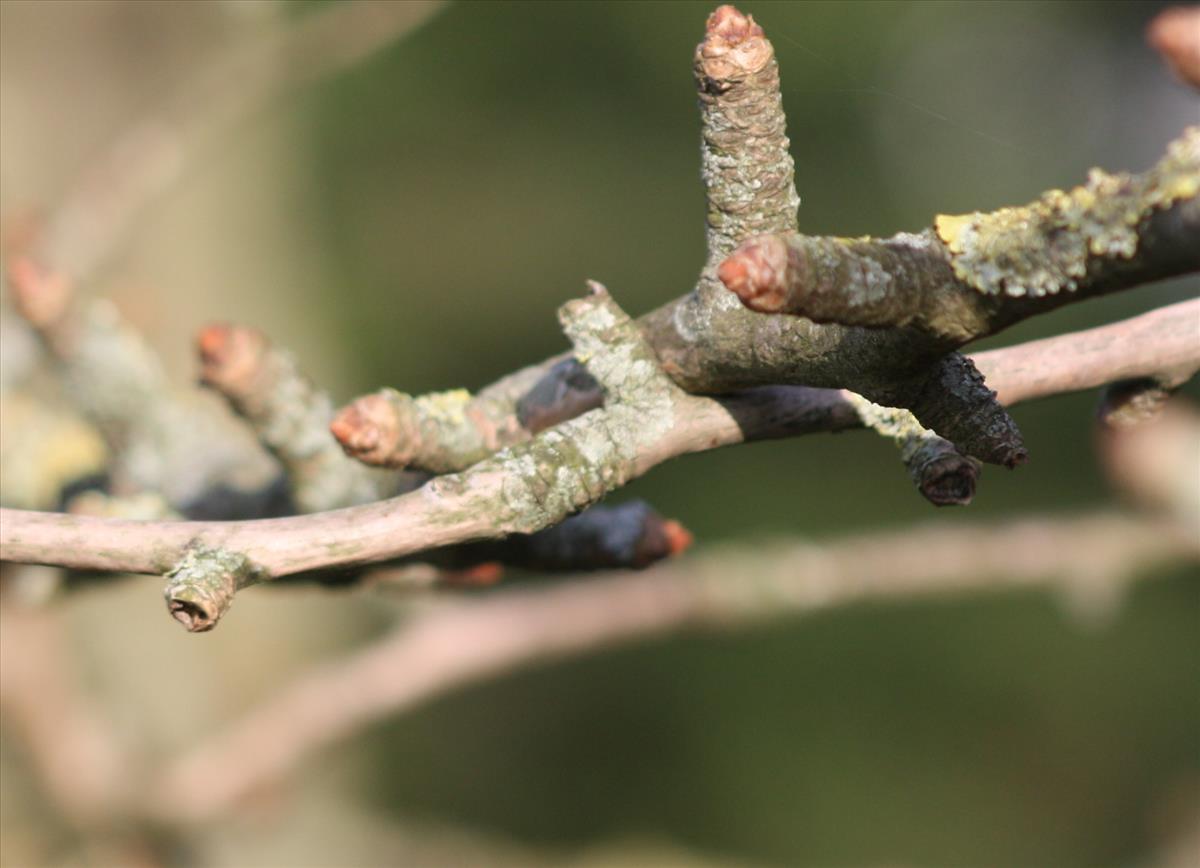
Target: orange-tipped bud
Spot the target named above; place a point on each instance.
(733, 47)
(230, 356)
(1175, 34)
(757, 272)
(41, 295)
(369, 430)
(731, 25)
(478, 576)
(679, 538)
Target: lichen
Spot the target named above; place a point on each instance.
(943, 475)
(567, 468)
(201, 585)
(1044, 248)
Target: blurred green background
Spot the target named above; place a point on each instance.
(450, 192)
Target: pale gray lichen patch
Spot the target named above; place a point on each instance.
(1044, 248)
(573, 465)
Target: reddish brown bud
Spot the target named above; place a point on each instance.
(230, 356)
(40, 295)
(211, 342)
(731, 25)
(1175, 34)
(478, 576)
(679, 538)
(758, 273)
(734, 46)
(660, 538)
(369, 430)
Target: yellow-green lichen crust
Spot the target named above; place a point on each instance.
(1044, 248)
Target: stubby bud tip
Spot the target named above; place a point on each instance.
(369, 430)
(757, 272)
(734, 46)
(731, 25)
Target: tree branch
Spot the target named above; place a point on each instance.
(527, 486)
(463, 643)
(979, 273)
(704, 342)
(291, 416)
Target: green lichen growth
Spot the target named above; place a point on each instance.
(1044, 248)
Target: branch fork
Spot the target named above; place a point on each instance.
(871, 341)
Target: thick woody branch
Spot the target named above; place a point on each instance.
(522, 490)
(744, 159)
(979, 273)
(706, 342)
(1087, 557)
(526, 486)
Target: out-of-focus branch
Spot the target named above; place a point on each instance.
(469, 641)
(159, 438)
(45, 448)
(291, 417)
(163, 443)
(1175, 33)
(76, 756)
(145, 161)
(1156, 463)
(1134, 402)
(518, 489)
